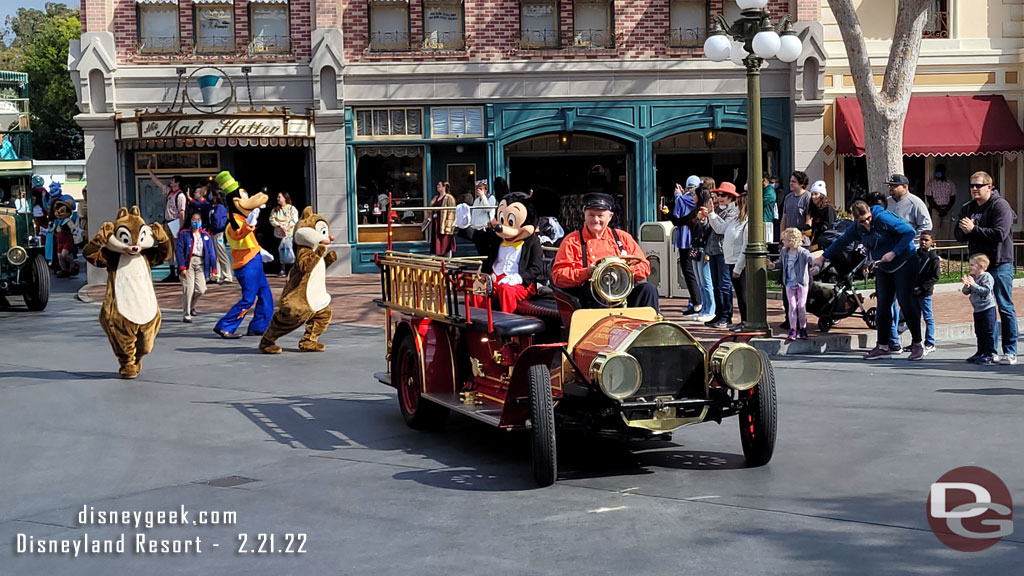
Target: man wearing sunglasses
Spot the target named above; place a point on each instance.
(985, 224)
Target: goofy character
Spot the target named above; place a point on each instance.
(247, 263)
(513, 253)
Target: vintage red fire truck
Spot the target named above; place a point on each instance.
(613, 371)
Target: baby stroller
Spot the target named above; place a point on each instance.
(833, 301)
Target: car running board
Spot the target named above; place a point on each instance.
(481, 409)
(383, 377)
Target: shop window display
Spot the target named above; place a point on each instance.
(397, 170)
(158, 28)
(442, 25)
(215, 31)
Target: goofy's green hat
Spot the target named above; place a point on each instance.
(226, 182)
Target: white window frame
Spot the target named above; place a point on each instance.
(261, 46)
(585, 38)
(680, 40)
(555, 43)
(144, 46)
(462, 111)
(375, 114)
(199, 47)
(458, 43)
(398, 46)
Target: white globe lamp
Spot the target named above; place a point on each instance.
(766, 44)
(717, 48)
(790, 47)
(737, 53)
(751, 4)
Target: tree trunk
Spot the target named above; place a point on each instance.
(884, 110)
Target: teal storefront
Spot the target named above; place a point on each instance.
(632, 149)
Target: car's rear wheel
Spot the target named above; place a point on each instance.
(417, 412)
(35, 280)
(758, 418)
(542, 431)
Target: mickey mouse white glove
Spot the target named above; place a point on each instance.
(267, 256)
(253, 217)
(511, 280)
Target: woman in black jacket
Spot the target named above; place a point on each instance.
(823, 215)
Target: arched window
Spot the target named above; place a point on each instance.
(97, 92)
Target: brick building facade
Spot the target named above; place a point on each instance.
(344, 100)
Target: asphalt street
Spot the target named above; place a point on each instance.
(311, 444)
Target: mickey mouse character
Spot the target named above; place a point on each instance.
(513, 252)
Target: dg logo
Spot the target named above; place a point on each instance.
(970, 509)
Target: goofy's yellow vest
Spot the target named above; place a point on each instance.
(242, 241)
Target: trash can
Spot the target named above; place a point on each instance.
(677, 284)
(656, 243)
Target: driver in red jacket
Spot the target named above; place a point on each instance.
(574, 265)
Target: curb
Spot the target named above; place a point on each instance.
(824, 343)
(778, 347)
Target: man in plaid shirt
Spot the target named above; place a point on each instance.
(941, 197)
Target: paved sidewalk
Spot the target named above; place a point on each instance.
(352, 304)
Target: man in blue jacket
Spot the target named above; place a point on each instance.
(197, 260)
(890, 243)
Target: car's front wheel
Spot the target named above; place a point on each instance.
(758, 418)
(35, 280)
(542, 430)
(417, 412)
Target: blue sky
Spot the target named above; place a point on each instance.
(8, 7)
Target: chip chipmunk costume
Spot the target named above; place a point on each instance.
(304, 299)
(128, 248)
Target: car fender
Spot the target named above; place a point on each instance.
(435, 350)
(517, 401)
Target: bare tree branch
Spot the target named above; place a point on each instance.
(906, 47)
(884, 111)
(856, 50)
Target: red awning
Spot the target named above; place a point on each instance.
(939, 126)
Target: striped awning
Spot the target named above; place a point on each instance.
(185, 143)
(213, 2)
(175, 2)
(268, 1)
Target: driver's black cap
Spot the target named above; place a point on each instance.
(596, 201)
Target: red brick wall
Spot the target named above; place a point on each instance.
(126, 34)
(808, 10)
(93, 15)
(492, 29)
(326, 13)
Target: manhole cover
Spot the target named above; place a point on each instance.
(228, 481)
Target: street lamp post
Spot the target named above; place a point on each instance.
(754, 39)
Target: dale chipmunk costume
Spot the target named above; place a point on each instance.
(130, 316)
(513, 254)
(246, 260)
(304, 299)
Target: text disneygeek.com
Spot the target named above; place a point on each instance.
(142, 544)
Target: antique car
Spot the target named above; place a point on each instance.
(23, 269)
(617, 371)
